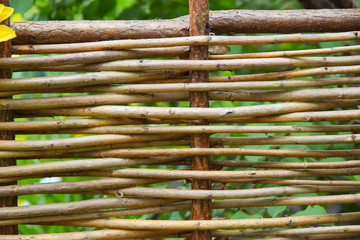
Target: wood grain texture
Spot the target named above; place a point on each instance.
(7, 116)
(221, 22)
(199, 17)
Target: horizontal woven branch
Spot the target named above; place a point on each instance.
(43, 126)
(183, 41)
(28, 211)
(290, 53)
(194, 113)
(90, 57)
(216, 224)
(206, 65)
(221, 22)
(47, 83)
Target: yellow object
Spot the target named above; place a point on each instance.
(16, 17)
(6, 33)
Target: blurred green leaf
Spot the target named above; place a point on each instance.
(275, 211)
(311, 210)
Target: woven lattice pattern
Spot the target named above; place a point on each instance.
(282, 129)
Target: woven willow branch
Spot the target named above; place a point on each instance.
(224, 151)
(76, 80)
(287, 165)
(77, 207)
(89, 185)
(95, 235)
(231, 86)
(291, 53)
(183, 41)
(207, 65)
(214, 224)
(28, 211)
(319, 237)
(73, 80)
(293, 140)
(219, 175)
(287, 74)
(74, 187)
(99, 140)
(194, 113)
(66, 123)
(77, 165)
(301, 94)
(48, 168)
(79, 142)
(294, 182)
(298, 117)
(200, 129)
(182, 152)
(90, 57)
(83, 165)
(289, 232)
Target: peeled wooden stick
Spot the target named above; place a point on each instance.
(291, 53)
(53, 167)
(321, 94)
(77, 165)
(154, 141)
(193, 113)
(215, 176)
(25, 129)
(207, 65)
(140, 144)
(90, 57)
(230, 194)
(293, 182)
(45, 84)
(233, 86)
(86, 100)
(252, 202)
(183, 152)
(213, 224)
(113, 184)
(79, 142)
(291, 140)
(340, 236)
(40, 83)
(182, 41)
(288, 165)
(304, 94)
(77, 80)
(298, 117)
(79, 207)
(108, 139)
(288, 232)
(286, 74)
(94, 235)
(226, 151)
(64, 123)
(219, 175)
(74, 187)
(288, 117)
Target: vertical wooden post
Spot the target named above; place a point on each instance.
(199, 25)
(7, 116)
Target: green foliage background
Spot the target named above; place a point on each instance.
(41, 10)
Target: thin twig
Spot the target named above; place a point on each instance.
(183, 41)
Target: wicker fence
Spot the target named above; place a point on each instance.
(129, 132)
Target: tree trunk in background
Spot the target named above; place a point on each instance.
(320, 4)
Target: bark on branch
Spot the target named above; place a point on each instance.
(221, 22)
